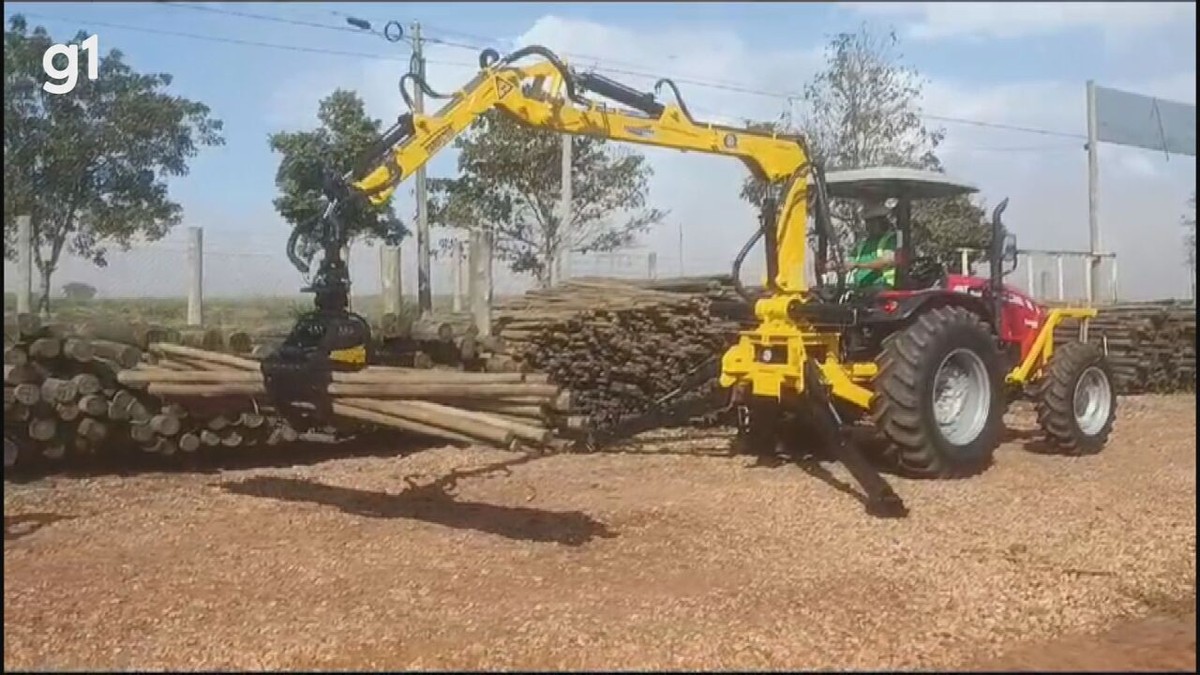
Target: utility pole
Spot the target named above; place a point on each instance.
(424, 293)
(680, 248)
(564, 225)
(1093, 140)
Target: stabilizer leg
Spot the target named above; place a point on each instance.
(882, 501)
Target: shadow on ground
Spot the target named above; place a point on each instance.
(16, 527)
(210, 460)
(434, 503)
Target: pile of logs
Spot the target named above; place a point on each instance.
(113, 389)
(1152, 346)
(619, 345)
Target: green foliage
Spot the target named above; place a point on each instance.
(79, 291)
(90, 166)
(345, 133)
(510, 183)
(1189, 226)
(863, 110)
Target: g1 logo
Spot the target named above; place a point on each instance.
(63, 80)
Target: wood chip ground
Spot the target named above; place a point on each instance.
(666, 556)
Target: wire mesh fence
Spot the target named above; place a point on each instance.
(1054, 276)
(235, 267)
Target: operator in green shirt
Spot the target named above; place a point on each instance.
(872, 261)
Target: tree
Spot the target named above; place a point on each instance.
(345, 133)
(863, 110)
(78, 291)
(1189, 238)
(510, 183)
(1189, 241)
(90, 167)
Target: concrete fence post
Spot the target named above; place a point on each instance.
(195, 259)
(24, 265)
(389, 278)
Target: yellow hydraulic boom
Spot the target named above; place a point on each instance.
(544, 95)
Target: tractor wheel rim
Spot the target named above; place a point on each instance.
(962, 396)
(1092, 400)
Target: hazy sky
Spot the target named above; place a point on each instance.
(985, 65)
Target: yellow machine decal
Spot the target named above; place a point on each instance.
(353, 355)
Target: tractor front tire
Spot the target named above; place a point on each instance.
(1076, 399)
(938, 396)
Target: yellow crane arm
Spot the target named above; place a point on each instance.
(546, 95)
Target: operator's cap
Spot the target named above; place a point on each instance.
(875, 209)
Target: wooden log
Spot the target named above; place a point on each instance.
(431, 329)
(42, 428)
(93, 404)
(125, 356)
(205, 355)
(86, 384)
(12, 452)
(384, 420)
(138, 412)
(521, 430)
(189, 442)
(121, 399)
(45, 348)
(206, 390)
(452, 420)
(54, 450)
(218, 423)
(15, 356)
(24, 326)
(67, 412)
(27, 394)
(231, 439)
(141, 432)
(17, 412)
(165, 425)
(457, 390)
(239, 342)
(78, 349)
(209, 438)
(123, 332)
(251, 420)
(28, 374)
(92, 429)
(59, 391)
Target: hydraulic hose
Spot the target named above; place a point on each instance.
(678, 98)
(737, 266)
(485, 61)
(419, 82)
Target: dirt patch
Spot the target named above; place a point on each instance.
(669, 556)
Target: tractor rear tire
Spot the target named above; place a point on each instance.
(1076, 399)
(910, 395)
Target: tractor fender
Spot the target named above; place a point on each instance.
(910, 305)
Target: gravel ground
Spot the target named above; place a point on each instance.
(667, 556)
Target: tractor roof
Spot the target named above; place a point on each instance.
(885, 182)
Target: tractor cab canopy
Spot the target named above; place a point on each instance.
(886, 184)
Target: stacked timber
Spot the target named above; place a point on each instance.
(64, 396)
(503, 409)
(116, 388)
(1152, 346)
(618, 345)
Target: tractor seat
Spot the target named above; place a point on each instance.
(924, 273)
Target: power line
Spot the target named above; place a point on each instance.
(215, 38)
(262, 17)
(792, 96)
(608, 69)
